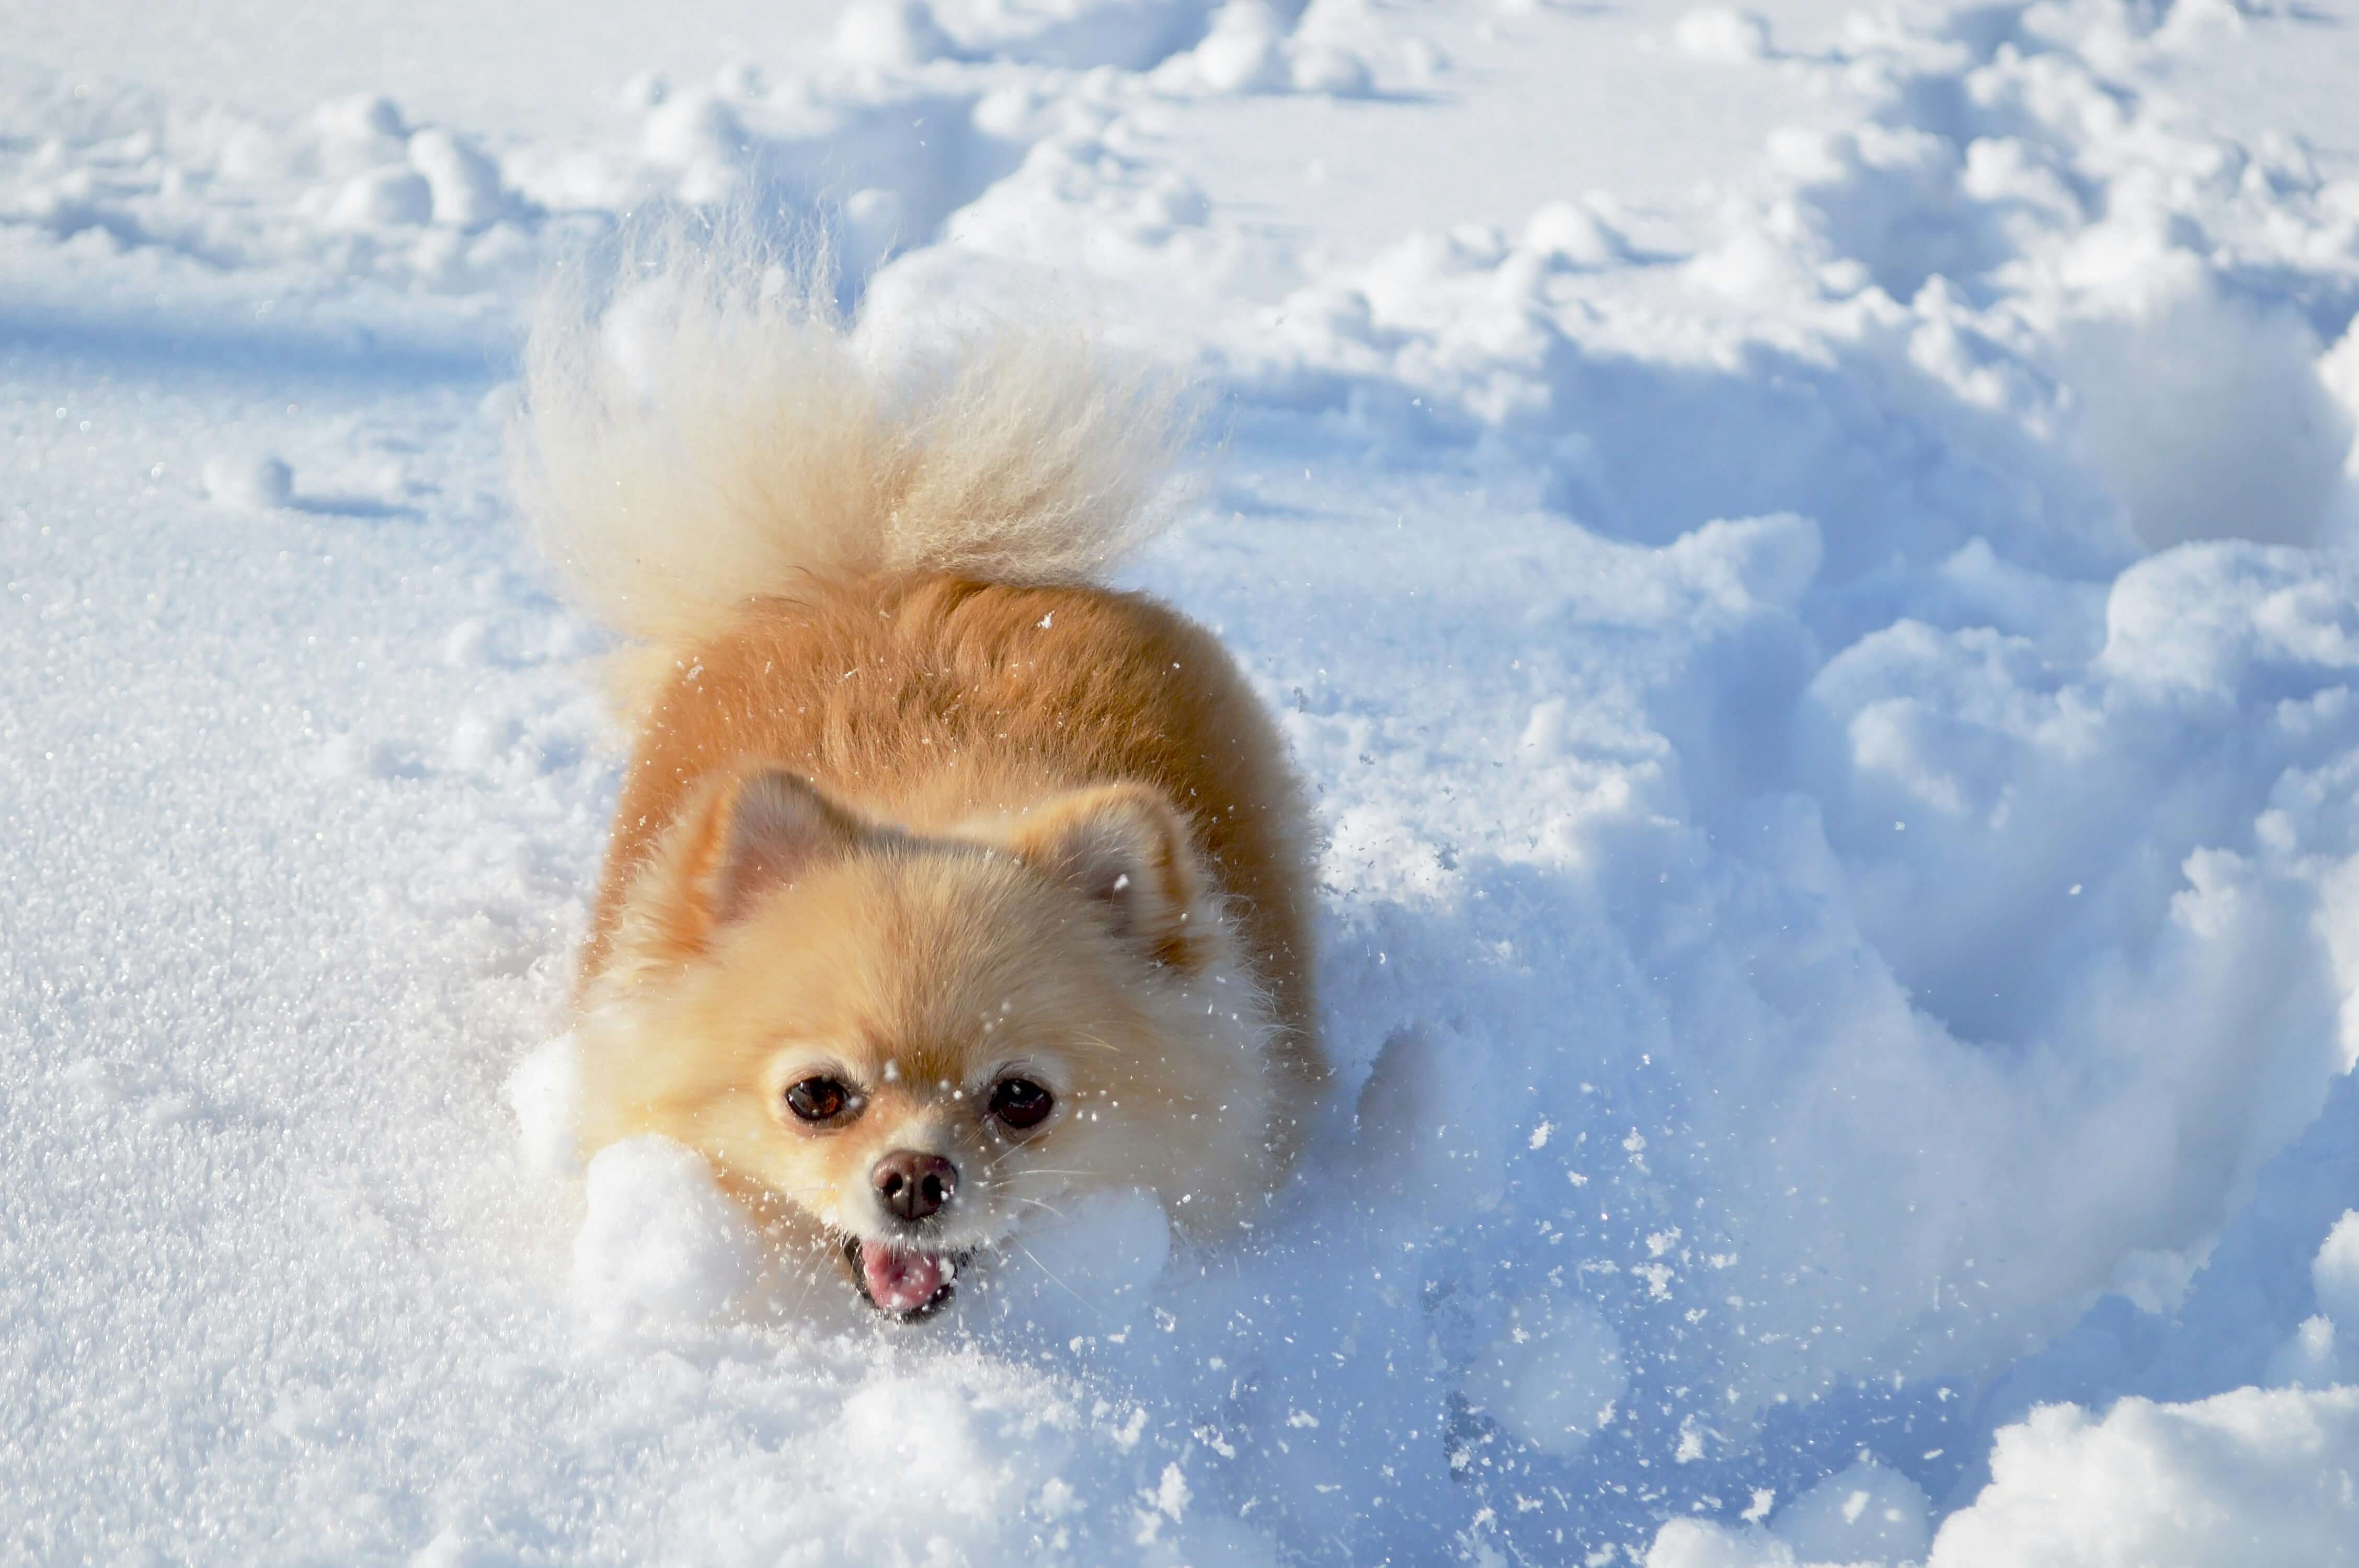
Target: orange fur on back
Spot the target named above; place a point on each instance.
(933, 702)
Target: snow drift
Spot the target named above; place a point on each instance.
(1830, 696)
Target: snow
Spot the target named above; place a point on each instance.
(1552, 1376)
(657, 1241)
(1808, 556)
(1865, 1514)
(2251, 1474)
(2334, 1272)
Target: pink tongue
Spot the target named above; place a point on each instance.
(899, 1281)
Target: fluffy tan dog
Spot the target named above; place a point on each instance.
(945, 888)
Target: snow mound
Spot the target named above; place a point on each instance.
(1723, 33)
(658, 1244)
(2252, 1476)
(2336, 1272)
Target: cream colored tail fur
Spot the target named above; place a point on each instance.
(707, 433)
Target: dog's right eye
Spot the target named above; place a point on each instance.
(1021, 1103)
(819, 1099)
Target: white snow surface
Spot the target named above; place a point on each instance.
(1812, 559)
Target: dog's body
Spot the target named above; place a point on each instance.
(946, 886)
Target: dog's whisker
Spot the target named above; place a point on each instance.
(811, 1282)
(799, 1192)
(1057, 1282)
(1002, 1157)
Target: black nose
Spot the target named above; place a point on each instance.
(913, 1185)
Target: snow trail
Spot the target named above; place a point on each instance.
(1809, 559)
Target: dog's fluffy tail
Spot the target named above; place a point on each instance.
(701, 431)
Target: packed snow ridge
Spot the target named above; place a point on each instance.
(1825, 639)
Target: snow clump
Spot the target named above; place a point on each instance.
(249, 484)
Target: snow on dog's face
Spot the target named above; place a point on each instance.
(894, 1048)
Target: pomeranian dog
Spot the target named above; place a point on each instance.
(947, 886)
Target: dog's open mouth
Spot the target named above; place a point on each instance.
(903, 1282)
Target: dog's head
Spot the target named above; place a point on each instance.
(895, 1048)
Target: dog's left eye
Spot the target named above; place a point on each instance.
(819, 1099)
(1021, 1103)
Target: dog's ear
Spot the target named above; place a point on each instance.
(766, 833)
(1125, 849)
(734, 839)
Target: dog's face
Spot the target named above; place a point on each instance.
(897, 1049)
